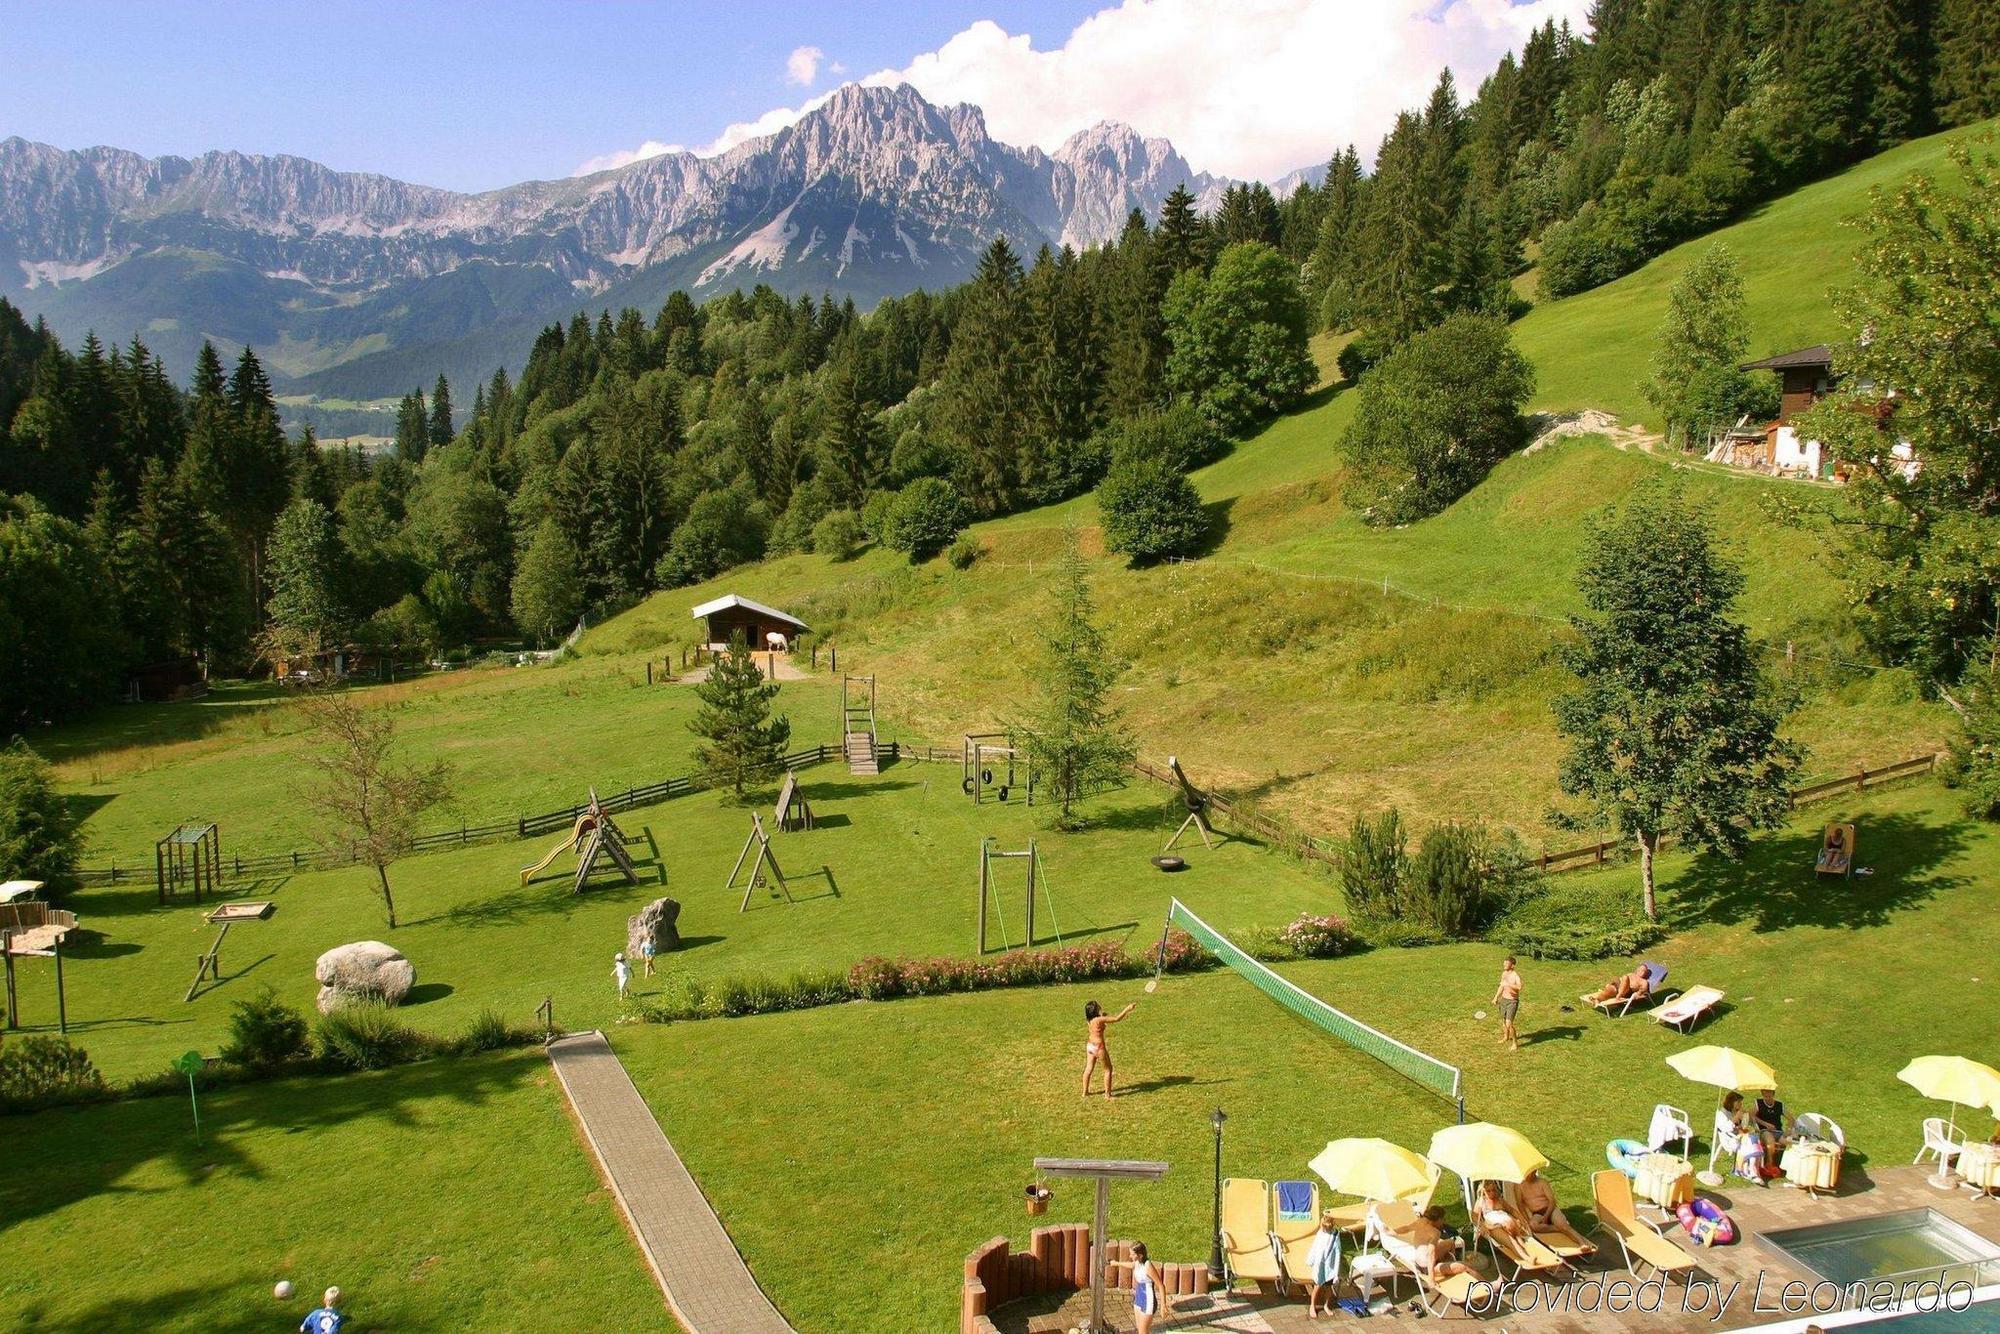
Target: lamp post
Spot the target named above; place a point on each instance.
(1215, 1267)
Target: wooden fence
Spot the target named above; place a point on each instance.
(1314, 847)
(523, 826)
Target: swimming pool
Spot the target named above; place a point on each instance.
(1912, 1243)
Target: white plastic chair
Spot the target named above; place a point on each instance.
(1942, 1141)
(1725, 1139)
(1670, 1124)
(1817, 1125)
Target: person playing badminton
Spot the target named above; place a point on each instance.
(1095, 1046)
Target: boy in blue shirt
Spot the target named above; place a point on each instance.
(327, 1319)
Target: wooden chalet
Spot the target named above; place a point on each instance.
(762, 627)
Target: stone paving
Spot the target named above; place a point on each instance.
(1863, 1193)
(707, 1285)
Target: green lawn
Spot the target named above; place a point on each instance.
(905, 1130)
(448, 1195)
(890, 870)
(521, 740)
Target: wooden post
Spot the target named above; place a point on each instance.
(1100, 1222)
(13, 1007)
(833, 658)
(62, 1005)
(1031, 894)
(982, 926)
(649, 671)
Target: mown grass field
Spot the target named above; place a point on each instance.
(906, 1129)
(891, 869)
(448, 1195)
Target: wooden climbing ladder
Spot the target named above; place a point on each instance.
(857, 724)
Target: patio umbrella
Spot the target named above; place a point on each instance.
(1725, 1068)
(1955, 1080)
(1374, 1169)
(1483, 1152)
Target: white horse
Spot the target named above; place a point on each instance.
(776, 642)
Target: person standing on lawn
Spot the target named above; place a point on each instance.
(1508, 997)
(621, 972)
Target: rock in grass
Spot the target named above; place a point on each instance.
(654, 922)
(365, 970)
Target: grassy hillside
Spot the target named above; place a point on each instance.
(1327, 666)
(1592, 350)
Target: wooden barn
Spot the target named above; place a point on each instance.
(731, 615)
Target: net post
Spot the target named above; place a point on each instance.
(1461, 1109)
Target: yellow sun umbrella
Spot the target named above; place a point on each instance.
(1955, 1080)
(1374, 1169)
(1483, 1152)
(1725, 1068)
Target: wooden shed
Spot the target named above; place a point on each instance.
(1804, 378)
(731, 615)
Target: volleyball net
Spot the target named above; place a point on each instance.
(1440, 1077)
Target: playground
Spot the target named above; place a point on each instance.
(890, 866)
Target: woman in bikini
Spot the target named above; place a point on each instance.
(1095, 1048)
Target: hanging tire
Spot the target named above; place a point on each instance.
(966, 786)
(1003, 792)
(986, 777)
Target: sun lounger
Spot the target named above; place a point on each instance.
(1530, 1256)
(1644, 1249)
(1656, 976)
(1294, 1221)
(1437, 1295)
(1836, 852)
(1246, 1231)
(1685, 1010)
(1567, 1245)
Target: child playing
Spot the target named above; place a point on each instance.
(646, 955)
(326, 1318)
(621, 972)
(1095, 1048)
(1145, 1290)
(1323, 1259)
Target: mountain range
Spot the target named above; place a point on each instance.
(354, 286)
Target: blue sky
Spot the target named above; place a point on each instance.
(479, 95)
(444, 92)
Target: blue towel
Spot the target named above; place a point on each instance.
(1353, 1305)
(1295, 1199)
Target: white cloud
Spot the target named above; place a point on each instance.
(1248, 88)
(625, 157)
(802, 65)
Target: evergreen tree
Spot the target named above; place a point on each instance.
(1329, 278)
(1968, 60)
(413, 429)
(984, 383)
(1065, 380)
(1180, 239)
(1072, 730)
(1671, 729)
(742, 742)
(1132, 282)
(439, 428)
(304, 606)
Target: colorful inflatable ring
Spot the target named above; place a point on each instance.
(1705, 1222)
(1624, 1155)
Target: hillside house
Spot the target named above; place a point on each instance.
(762, 627)
(1805, 376)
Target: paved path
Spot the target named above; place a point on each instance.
(706, 1282)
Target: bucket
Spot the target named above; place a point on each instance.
(1038, 1201)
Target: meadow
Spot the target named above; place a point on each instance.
(891, 869)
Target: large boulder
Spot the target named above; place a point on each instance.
(654, 922)
(365, 970)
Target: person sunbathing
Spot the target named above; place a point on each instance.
(1421, 1246)
(1634, 985)
(1495, 1216)
(1834, 855)
(1538, 1201)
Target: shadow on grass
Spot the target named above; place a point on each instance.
(839, 791)
(831, 822)
(1772, 887)
(124, 1136)
(425, 992)
(142, 897)
(1559, 1033)
(1163, 1083)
